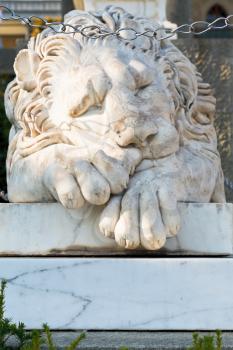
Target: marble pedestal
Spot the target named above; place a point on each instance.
(115, 293)
(50, 229)
(120, 293)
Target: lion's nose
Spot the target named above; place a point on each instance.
(138, 135)
(145, 132)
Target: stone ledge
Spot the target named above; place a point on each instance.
(43, 229)
(120, 293)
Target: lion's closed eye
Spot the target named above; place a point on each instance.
(91, 95)
(81, 108)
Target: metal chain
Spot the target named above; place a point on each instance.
(96, 31)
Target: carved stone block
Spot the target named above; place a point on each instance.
(41, 229)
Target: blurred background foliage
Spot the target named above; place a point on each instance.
(4, 130)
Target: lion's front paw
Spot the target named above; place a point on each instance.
(76, 180)
(72, 187)
(146, 215)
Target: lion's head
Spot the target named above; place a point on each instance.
(142, 93)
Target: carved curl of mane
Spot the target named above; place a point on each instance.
(28, 97)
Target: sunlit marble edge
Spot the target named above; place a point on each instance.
(49, 229)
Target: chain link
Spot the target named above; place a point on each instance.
(94, 31)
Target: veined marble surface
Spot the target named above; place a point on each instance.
(120, 293)
(40, 229)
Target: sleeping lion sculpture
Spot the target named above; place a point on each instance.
(122, 124)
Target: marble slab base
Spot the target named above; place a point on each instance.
(120, 293)
(43, 229)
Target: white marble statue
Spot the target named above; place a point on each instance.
(125, 125)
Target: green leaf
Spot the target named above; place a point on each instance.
(49, 339)
(2, 299)
(218, 339)
(208, 342)
(76, 342)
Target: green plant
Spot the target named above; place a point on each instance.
(27, 340)
(35, 341)
(8, 328)
(75, 342)
(207, 342)
(50, 342)
(218, 340)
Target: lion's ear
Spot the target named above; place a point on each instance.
(169, 71)
(25, 66)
